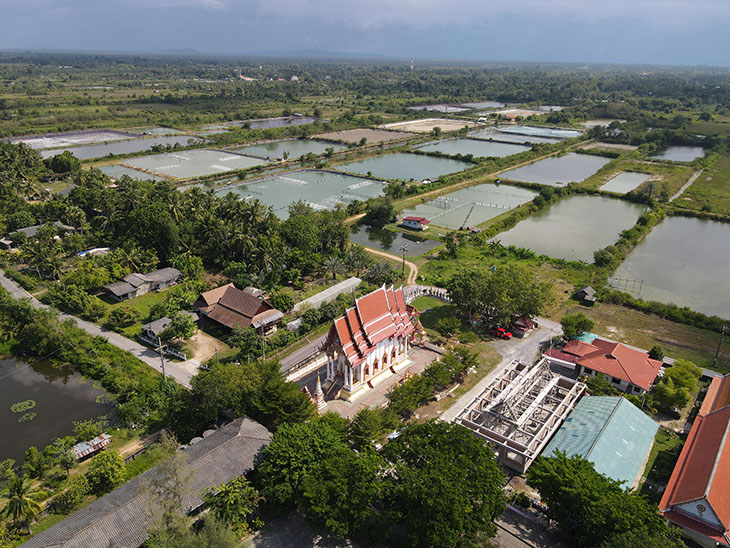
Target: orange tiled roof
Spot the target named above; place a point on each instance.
(702, 473)
(718, 395)
(375, 317)
(617, 360)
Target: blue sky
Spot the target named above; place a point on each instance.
(624, 31)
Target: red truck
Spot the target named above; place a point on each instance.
(501, 333)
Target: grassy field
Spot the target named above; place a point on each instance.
(143, 304)
(660, 464)
(711, 190)
(645, 330)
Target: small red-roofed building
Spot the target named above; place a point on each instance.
(697, 497)
(627, 369)
(415, 223)
(370, 341)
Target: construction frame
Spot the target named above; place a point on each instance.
(520, 410)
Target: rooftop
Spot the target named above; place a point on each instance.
(122, 518)
(233, 307)
(609, 431)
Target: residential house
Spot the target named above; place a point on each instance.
(697, 497)
(123, 518)
(30, 232)
(135, 284)
(627, 369)
(232, 307)
(415, 223)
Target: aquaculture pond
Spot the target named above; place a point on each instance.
(475, 147)
(574, 228)
(496, 135)
(558, 171)
(117, 172)
(404, 166)
(685, 261)
(71, 138)
(40, 402)
(535, 131)
(391, 242)
(268, 123)
(319, 189)
(123, 147)
(193, 163)
(293, 147)
(480, 203)
(483, 105)
(680, 154)
(625, 181)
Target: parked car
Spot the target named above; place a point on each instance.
(501, 333)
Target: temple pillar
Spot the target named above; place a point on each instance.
(362, 377)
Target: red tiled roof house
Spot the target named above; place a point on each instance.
(416, 223)
(370, 341)
(231, 307)
(697, 497)
(629, 370)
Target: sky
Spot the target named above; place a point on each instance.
(675, 32)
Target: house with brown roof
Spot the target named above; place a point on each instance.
(697, 497)
(369, 342)
(232, 307)
(627, 369)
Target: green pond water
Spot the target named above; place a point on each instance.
(475, 147)
(391, 242)
(295, 148)
(404, 166)
(624, 182)
(573, 228)
(558, 171)
(61, 395)
(320, 189)
(685, 261)
(480, 203)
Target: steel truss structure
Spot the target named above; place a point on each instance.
(520, 411)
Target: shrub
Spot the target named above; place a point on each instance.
(106, 472)
(72, 496)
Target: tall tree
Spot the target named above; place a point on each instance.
(21, 505)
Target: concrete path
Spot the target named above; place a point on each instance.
(413, 268)
(181, 372)
(686, 185)
(525, 350)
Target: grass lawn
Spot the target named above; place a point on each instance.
(645, 330)
(143, 304)
(659, 466)
(710, 190)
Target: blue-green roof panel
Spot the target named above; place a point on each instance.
(609, 431)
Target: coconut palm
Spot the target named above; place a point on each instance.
(21, 506)
(333, 265)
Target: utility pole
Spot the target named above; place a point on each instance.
(403, 249)
(263, 344)
(162, 359)
(719, 345)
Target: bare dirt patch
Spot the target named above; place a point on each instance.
(356, 135)
(202, 346)
(609, 146)
(426, 125)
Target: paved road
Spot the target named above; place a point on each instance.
(515, 531)
(181, 372)
(301, 354)
(525, 350)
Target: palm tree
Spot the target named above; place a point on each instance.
(334, 265)
(21, 505)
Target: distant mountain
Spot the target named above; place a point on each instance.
(317, 54)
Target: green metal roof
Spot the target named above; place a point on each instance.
(609, 431)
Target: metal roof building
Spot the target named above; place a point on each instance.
(611, 432)
(122, 518)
